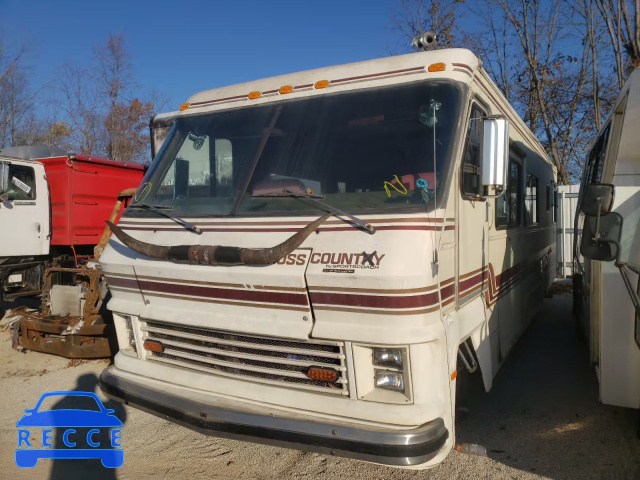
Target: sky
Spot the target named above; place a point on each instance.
(182, 47)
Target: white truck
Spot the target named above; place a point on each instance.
(310, 255)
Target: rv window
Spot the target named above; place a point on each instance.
(549, 199)
(22, 183)
(531, 201)
(595, 164)
(471, 186)
(508, 205)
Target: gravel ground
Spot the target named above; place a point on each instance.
(541, 420)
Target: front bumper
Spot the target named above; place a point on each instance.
(406, 447)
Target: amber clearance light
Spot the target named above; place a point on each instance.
(322, 374)
(285, 89)
(321, 84)
(437, 67)
(153, 346)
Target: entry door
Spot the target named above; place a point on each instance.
(473, 241)
(24, 216)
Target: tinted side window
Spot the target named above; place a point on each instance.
(531, 201)
(472, 154)
(508, 205)
(595, 163)
(22, 182)
(555, 202)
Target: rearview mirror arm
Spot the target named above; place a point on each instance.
(596, 235)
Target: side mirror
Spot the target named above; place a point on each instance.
(601, 237)
(4, 177)
(597, 199)
(495, 154)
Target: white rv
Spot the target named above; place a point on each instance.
(606, 282)
(309, 256)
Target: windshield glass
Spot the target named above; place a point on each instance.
(364, 151)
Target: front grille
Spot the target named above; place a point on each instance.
(261, 359)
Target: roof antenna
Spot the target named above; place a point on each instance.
(426, 41)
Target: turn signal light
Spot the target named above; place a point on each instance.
(184, 106)
(286, 89)
(153, 346)
(321, 84)
(437, 67)
(322, 374)
(254, 95)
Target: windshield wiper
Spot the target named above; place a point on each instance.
(316, 199)
(158, 209)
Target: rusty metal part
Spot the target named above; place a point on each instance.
(45, 335)
(85, 336)
(219, 254)
(123, 196)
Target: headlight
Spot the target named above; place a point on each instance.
(389, 380)
(382, 373)
(130, 336)
(125, 325)
(387, 357)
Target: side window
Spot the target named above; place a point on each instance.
(508, 205)
(22, 182)
(555, 202)
(595, 164)
(549, 199)
(472, 154)
(531, 201)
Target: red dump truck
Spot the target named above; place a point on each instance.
(53, 207)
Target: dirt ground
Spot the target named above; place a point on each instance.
(541, 420)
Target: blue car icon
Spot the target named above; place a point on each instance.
(101, 417)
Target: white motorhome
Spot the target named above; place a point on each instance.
(605, 281)
(309, 256)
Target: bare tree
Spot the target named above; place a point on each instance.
(16, 98)
(129, 124)
(78, 103)
(622, 21)
(113, 69)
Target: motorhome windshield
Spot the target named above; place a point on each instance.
(363, 151)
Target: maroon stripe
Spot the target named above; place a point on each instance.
(448, 291)
(303, 86)
(374, 222)
(375, 301)
(471, 282)
(462, 65)
(373, 75)
(224, 293)
(218, 100)
(291, 229)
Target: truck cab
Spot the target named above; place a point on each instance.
(25, 220)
